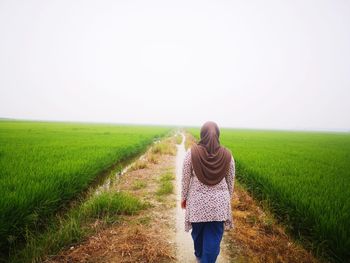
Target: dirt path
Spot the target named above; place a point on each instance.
(184, 243)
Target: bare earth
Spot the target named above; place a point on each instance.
(157, 234)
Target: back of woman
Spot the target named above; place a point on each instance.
(207, 187)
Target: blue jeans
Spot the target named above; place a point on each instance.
(206, 238)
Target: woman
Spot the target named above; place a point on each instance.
(207, 187)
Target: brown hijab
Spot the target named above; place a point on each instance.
(210, 161)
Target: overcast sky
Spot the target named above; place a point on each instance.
(254, 64)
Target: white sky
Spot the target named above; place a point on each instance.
(256, 64)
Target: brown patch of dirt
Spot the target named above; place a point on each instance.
(257, 238)
(126, 242)
(145, 237)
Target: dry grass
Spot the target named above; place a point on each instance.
(257, 238)
(153, 158)
(178, 139)
(125, 243)
(190, 140)
(139, 164)
(164, 147)
(143, 245)
(139, 184)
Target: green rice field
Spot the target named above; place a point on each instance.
(43, 165)
(303, 176)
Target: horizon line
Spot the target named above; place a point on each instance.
(341, 130)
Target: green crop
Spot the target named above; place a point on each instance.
(304, 176)
(44, 165)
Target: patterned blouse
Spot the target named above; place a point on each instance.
(203, 202)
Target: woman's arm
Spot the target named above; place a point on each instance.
(230, 178)
(186, 177)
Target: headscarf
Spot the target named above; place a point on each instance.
(210, 161)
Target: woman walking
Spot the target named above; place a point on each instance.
(207, 187)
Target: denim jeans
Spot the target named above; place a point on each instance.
(206, 238)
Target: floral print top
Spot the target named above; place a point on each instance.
(206, 203)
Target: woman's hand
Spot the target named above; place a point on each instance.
(183, 204)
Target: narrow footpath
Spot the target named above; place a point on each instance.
(184, 244)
